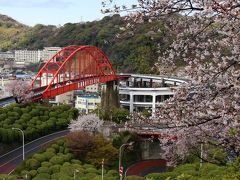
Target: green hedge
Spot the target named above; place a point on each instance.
(35, 120)
(53, 164)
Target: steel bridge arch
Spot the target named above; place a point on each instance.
(72, 68)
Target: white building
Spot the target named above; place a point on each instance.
(6, 55)
(87, 103)
(93, 88)
(23, 57)
(140, 92)
(66, 98)
(49, 52)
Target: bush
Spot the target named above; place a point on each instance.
(24, 172)
(55, 146)
(55, 176)
(33, 173)
(51, 150)
(211, 170)
(55, 168)
(159, 176)
(86, 166)
(112, 173)
(101, 147)
(46, 164)
(90, 175)
(60, 142)
(134, 178)
(42, 176)
(56, 160)
(33, 119)
(43, 170)
(92, 170)
(48, 155)
(80, 143)
(65, 177)
(39, 157)
(67, 169)
(76, 161)
(7, 177)
(32, 163)
(190, 169)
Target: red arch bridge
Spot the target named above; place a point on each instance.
(72, 68)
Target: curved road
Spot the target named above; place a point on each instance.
(10, 160)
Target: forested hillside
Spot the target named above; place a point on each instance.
(131, 50)
(10, 32)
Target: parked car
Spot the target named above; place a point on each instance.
(22, 75)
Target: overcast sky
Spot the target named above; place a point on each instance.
(55, 12)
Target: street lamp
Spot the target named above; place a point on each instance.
(22, 140)
(120, 157)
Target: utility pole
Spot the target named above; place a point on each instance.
(120, 159)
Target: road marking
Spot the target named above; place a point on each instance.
(28, 151)
(32, 142)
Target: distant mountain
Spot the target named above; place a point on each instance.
(8, 22)
(10, 32)
(131, 50)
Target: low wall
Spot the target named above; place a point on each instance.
(144, 168)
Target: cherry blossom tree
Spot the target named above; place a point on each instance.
(20, 90)
(207, 40)
(89, 122)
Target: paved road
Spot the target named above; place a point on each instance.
(7, 100)
(10, 160)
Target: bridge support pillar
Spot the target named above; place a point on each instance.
(151, 149)
(145, 149)
(110, 97)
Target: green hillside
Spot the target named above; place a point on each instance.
(132, 50)
(10, 32)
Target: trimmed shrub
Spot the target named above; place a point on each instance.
(55, 146)
(92, 170)
(65, 177)
(76, 161)
(55, 168)
(39, 157)
(33, 173)
(56, 160)
(67, 169)
(46, 164)
(86, 166)
(90, 175)
(159, 176)
(134, 178)
(112, 173)
(42, 176)
(55, 176)
(48, 155)
(43, 170)
(51, 150)
(32, 163)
